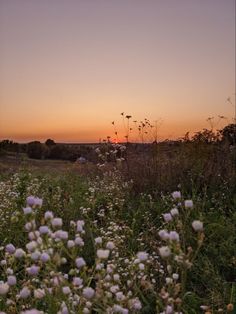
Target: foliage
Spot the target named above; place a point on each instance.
(229, 133)
(120, 240)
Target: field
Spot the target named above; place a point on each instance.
(146, 229)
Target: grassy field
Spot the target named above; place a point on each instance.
(150, 231)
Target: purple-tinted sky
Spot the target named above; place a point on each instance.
(68, 68)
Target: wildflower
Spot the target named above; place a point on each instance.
(176, 195)
(77, 281)
(119, 309)
(39, 293)
(141, 266)
(79, 241)
(3, 262)
(33, 270)
(30, 200)
(88, 292)
(44, 257)
(116, 277)
(31, 246)
(174, 236)
(164, 251)
(163, 234)
(56, 222)
(35, 255)
(10, 248)
(9, 271)
(48, 215)
(43, 229)
(66, 290)
(167, 217)
(169, 309)
(197, 225)
(19, 253)
(188, 204)
(33, 235)
(142, 256)
(80, 262)
(120, 296)
(4, 288)
(175, 276)
(25, 293)
(174, 212)
(63, 260)
(11, 280)
(103, 254)
(135, 304)
(114, 289)
(33, 311)
(169, 280)
(80, 225)
(98, 240)
(110, 245)
(27, 210)
(38, 202)
(70, 244)
(30, 225)
(61, 234)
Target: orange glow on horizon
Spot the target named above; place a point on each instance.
(69, 77)
(165, 131)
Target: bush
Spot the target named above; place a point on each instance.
(35, 150)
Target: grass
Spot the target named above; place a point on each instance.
(124, 204)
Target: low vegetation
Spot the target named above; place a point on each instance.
(145, 229)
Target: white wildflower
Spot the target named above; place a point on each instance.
(197, 225)
(164, 251)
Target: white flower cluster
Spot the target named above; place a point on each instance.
(36, 271)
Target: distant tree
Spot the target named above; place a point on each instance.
(35, 150)
(50, 142)
(228, 133)
(10, 146)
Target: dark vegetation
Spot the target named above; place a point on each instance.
(203, 168)
(71, 152)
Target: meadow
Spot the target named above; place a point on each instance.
(145, 229)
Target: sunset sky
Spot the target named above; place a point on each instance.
(68, 68)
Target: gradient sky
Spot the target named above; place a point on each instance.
(70, 67)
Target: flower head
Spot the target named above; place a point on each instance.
(10, 248)
(197, 225)
(142, 256)
(56, 222)
(167, 217)
(4, 288)
(80, 262)
(103, 254)
(164, 251)
(88, 292)
(188, 204)
(176, 195)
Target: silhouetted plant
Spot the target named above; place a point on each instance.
(229, 133)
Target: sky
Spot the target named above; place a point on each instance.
(68, 68)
